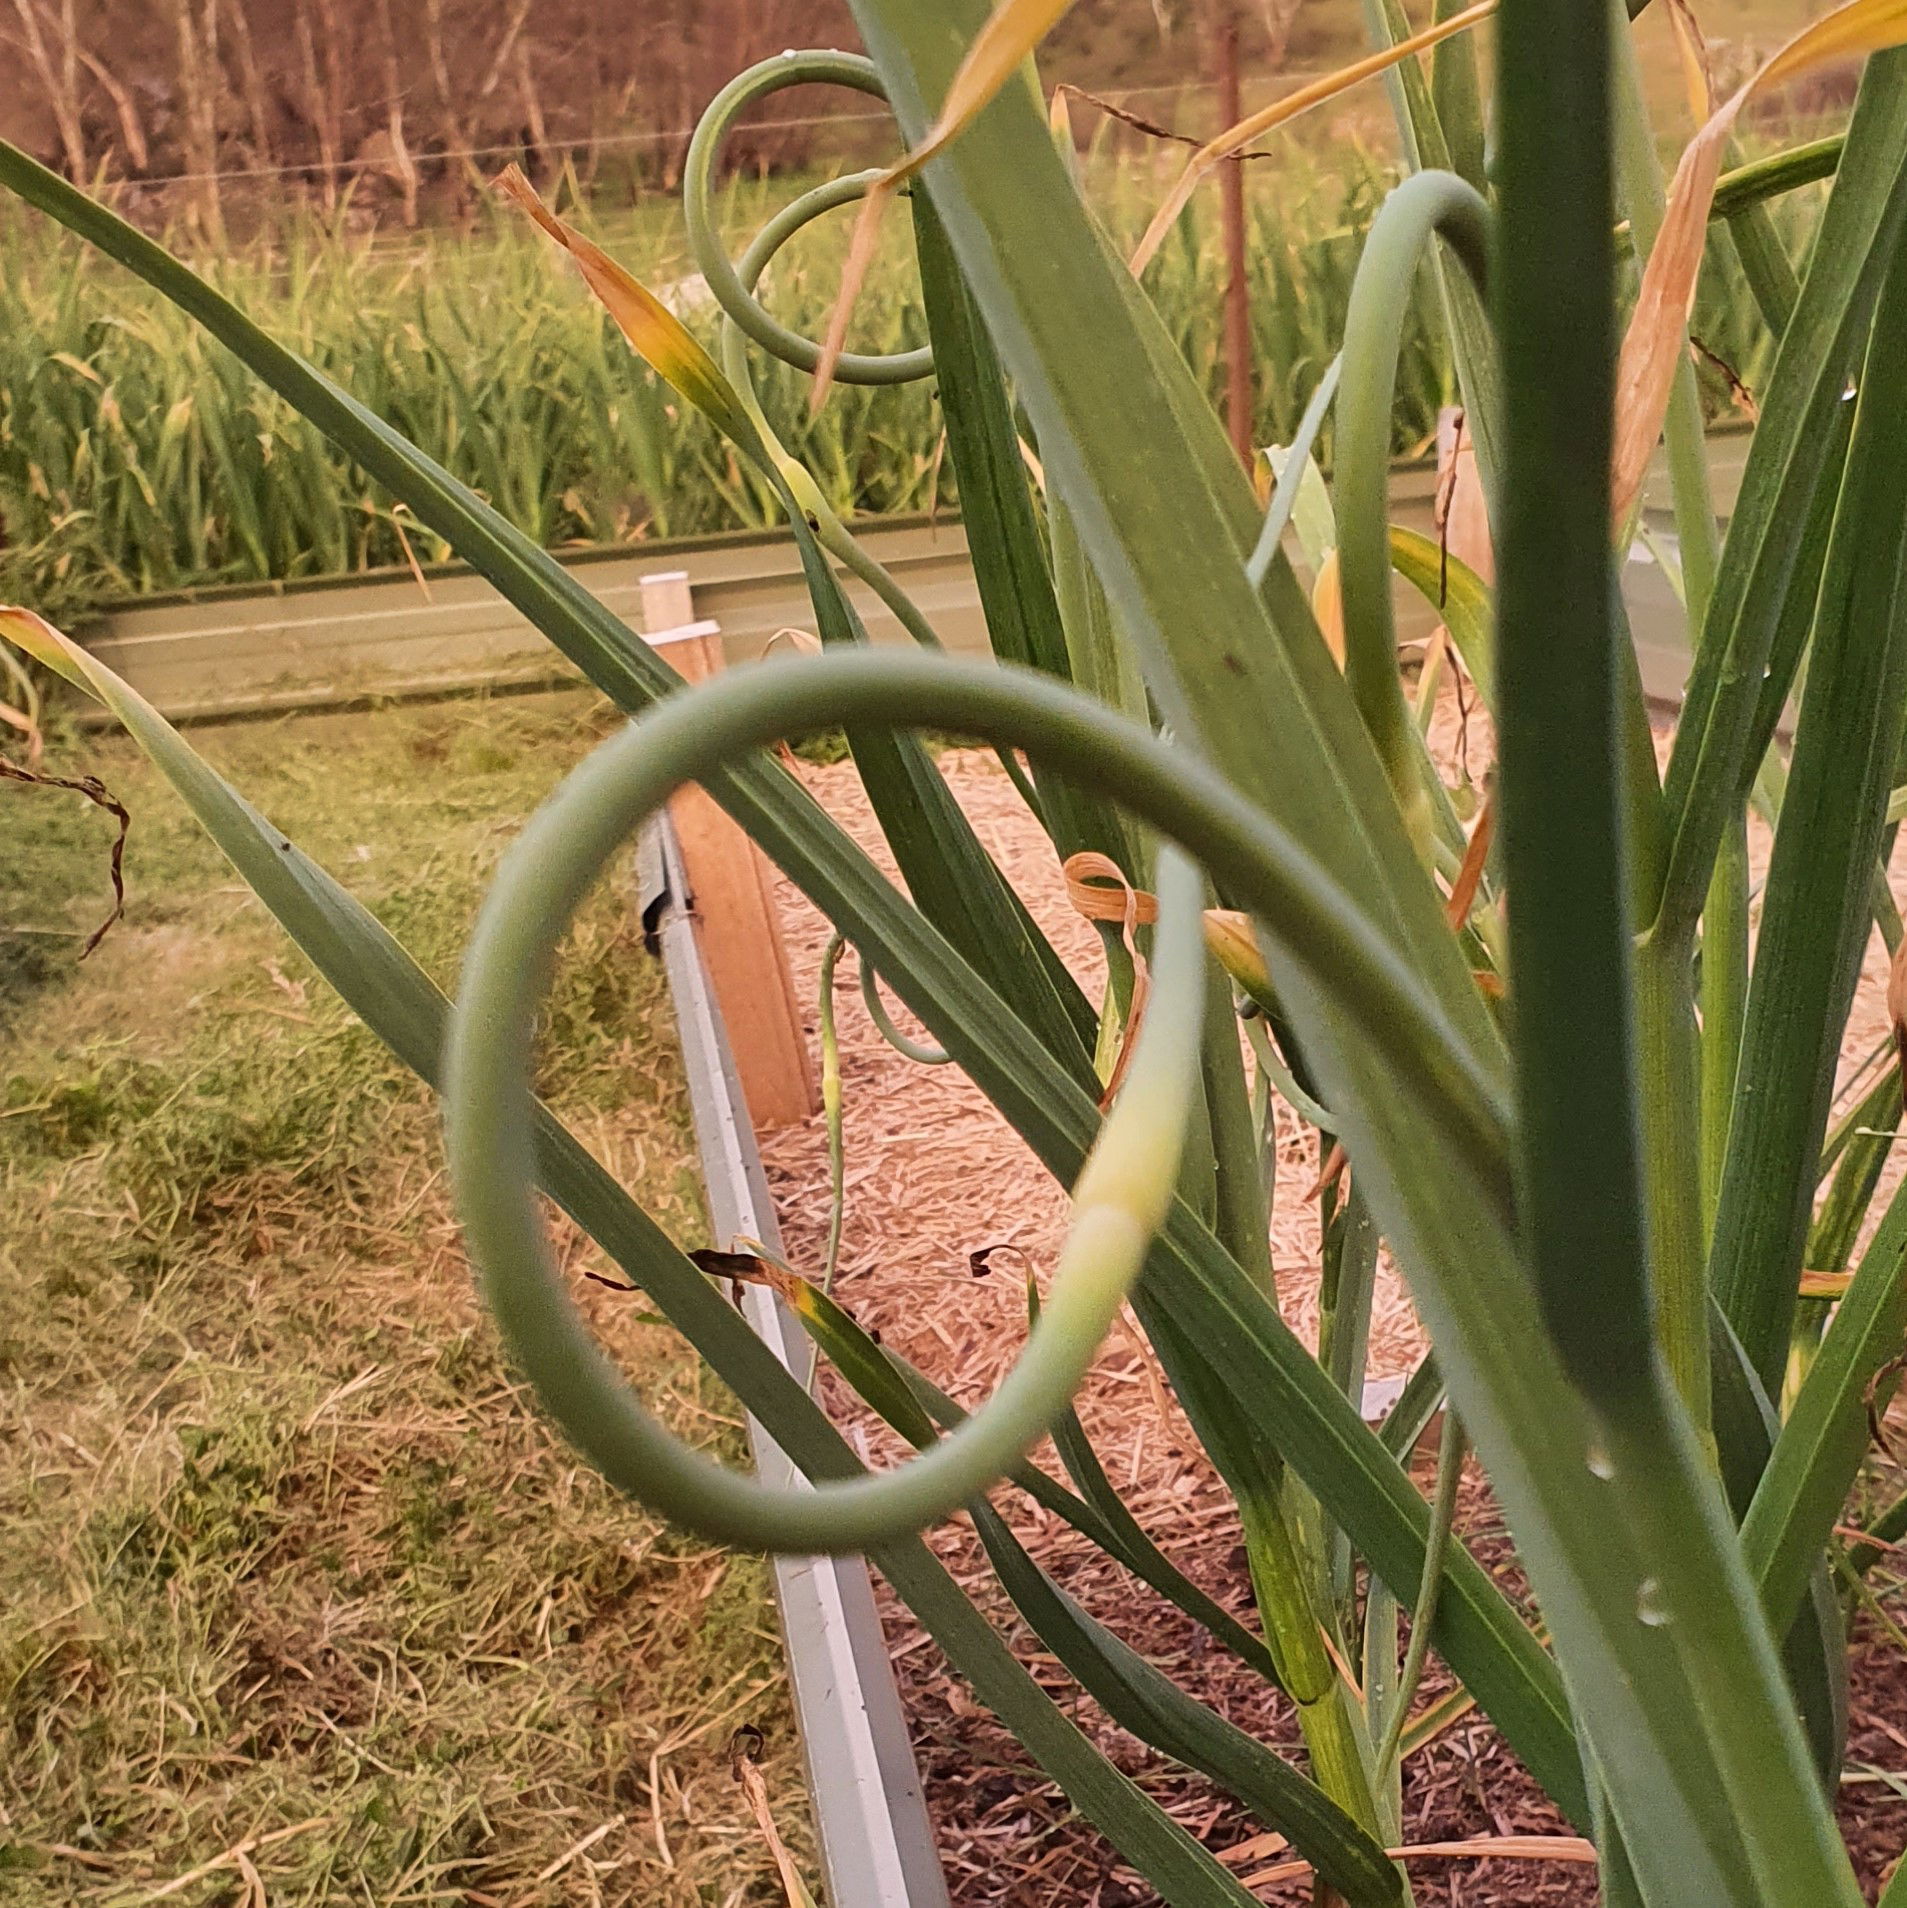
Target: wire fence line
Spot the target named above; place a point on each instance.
(655, 137)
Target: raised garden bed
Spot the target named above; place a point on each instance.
(933, 1174)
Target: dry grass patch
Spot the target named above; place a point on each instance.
(292, 1576)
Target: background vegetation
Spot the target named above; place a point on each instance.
(137, 456)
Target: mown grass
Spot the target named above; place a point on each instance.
(137, 457)
(285, 1549)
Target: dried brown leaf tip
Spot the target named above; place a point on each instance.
(745, 1750)
(1476, 855)
(1655, 342)
(1097, 887)
(746, 1268)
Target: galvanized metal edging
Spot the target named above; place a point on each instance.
(870, 1814)
(332, 642)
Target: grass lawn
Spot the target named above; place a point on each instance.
(290, 1573)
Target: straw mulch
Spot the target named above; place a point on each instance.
(932, 1174)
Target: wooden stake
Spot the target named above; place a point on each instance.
(732, 898)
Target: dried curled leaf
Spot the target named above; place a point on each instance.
(744, 1760)
(1476, 855)
(1097, 887)
(1495, 1848)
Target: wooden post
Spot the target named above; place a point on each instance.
(731, 897)
(1231, 185)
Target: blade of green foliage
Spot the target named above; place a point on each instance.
(1152, 513)
(1670, 1054)
(1766, 267)
(1153, 1707)
(1884, 1530)
(1156, 500)
(1641, 190)
(1725, 966)
(1794, 628)
(1010, 565)
(1347, 1289)
(1816, 915)
(1768, 573)
(1856, 1174)
(1620, 1888)
(1820, 1448)
(1099, 1513)
(1183, 1873)
(950, 875)
(1225, 1149)
(996, 506)
(1456, 97)
(1089, 1476)
(977, 910)
(1294, 1406)
(1458, 595)
(1730, 1800)
(1100, 659)
(1428, 144)
(1419, 1402)
(1814, 1652)
(1779, 172)
(1287, 1572)
(1562, 822)
(1132, 1692)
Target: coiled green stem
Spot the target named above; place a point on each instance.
(831, 1110)
(1129, 1179)
(1120, 1200)
(917, 1051)
(746, 318)
(1426, 204)
(839, 542)
(735, 291)
(734, 286)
